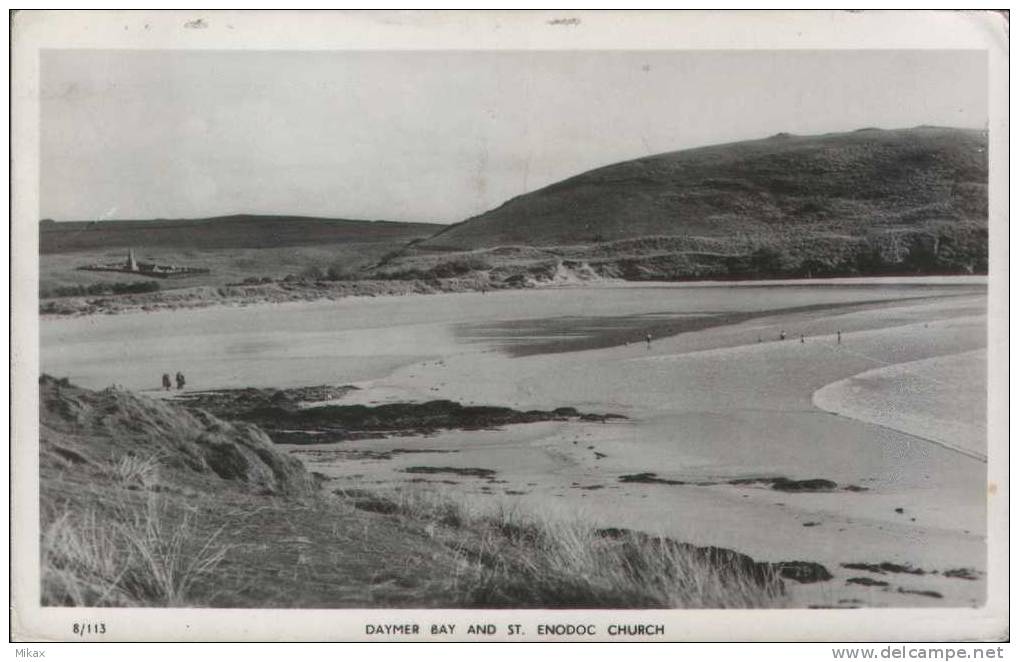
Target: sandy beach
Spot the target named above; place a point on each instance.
(705, 408)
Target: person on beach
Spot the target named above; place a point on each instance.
(166, 381)
(180, 380)
(648, 338)
(781, 334)
(801, 339)
(838, 337)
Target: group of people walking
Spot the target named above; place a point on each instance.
(781, 336)
(167, 383)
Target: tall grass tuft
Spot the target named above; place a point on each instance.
(83, 563)
(138, 471)
(168, 557)
(131, 553)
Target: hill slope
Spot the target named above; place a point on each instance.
(845, 183)
(239, 231)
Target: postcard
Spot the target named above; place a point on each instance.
(509, 326)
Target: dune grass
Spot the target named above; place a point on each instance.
(127, 552)
(131, 543)
(127, 557)
(509, 557)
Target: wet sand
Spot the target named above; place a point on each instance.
(712, 405)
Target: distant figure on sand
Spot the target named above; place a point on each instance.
(838, 337)
(180, 380)
(166, 381)
(801, 339)
(648, 338)
(781, 334)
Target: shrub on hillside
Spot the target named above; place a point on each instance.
(102, 289)
(452, 268)
(136, 287)
(339, 272)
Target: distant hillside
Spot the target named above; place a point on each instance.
(867, 203)
(240, 231)
(836, 184)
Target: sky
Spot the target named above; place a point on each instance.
(438, 136)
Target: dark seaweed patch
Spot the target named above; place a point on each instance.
(473, 472)
(866, 581)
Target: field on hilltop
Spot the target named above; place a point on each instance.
(233, 249)
(238, 231)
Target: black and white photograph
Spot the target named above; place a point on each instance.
(626, 331)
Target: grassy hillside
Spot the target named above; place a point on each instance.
(234, 232)
(839, 184)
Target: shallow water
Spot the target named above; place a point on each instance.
(942, 399)
(526, 337)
